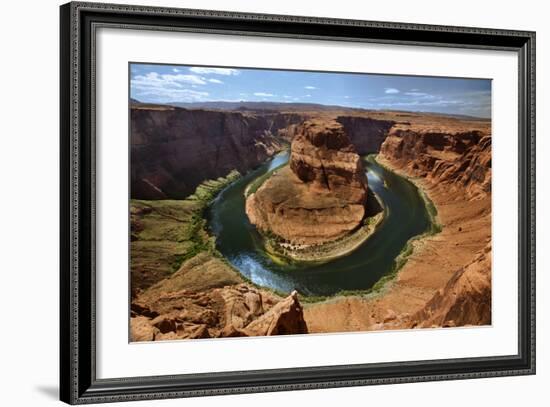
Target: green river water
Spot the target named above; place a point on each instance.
(406, 216)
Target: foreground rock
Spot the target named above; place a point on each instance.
(320, 196)
(286, 317)
(196, 302)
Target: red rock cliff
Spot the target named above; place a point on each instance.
(458, 158)
(452, 161)
(173, 149)
(323, 157)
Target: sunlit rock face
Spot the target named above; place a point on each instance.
(323, 157)
(460, 158)
(320, 196)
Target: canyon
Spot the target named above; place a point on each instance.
(445, 281)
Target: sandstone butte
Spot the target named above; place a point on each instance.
(320, 196)
(445, 282)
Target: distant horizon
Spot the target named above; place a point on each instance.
(188, 84)
(175, 104)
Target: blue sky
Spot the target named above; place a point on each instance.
(182, 83)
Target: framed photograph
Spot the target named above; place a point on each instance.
(255, 203)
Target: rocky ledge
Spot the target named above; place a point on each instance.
(319, 198)
(205, 298)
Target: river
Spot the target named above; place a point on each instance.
(406, 216)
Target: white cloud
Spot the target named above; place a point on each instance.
(475, 103)
(167, 87)
(263, 94)
(156, 79)
(391, 91)
(214, 71)
(307, 96)
(347, 97)
(310, 87)
(212, 99)
(175, 70)
(162, 95)
(287, 97)
(418, 94)
(214, 80)
(441, 102)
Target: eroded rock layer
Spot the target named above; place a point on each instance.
(320, 196)
(461, 159)
(323, 157)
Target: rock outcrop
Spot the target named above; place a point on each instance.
(229, 311)
(206, 298)
(320, 196)
(323, 157)
(464, 301)
(286, 317)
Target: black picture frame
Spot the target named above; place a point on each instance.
(78, 382)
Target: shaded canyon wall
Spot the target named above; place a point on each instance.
(173, 150)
